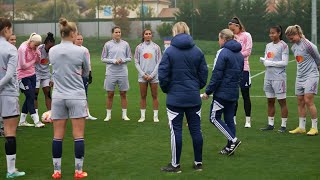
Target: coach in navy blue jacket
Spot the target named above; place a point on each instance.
(224, 85)
(182, 73)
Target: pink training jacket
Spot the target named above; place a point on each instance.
(26, 60)
(245, 39)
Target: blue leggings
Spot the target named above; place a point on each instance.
(28, 87)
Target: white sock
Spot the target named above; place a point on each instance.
(271, 121)
(284, 122)
(235, 120)
(35, 118)
(302, 122)
(56, 164)
(143, 113)
(11, 163)
(23, 117)
(124, 112)
(78, 164)
(248, 119)
(315, 123)
(234, 139)
(108, 112)
(88, 112)
(155, 113)
(37, 111)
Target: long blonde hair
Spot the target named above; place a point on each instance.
(179, 28)
(294, 30)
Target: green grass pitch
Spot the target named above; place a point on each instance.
(132, 150)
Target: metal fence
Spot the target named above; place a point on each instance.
(206, 18)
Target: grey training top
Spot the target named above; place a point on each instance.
(8, 69)
(112, 51)
(276, 60)
(69, 63)
(147, 59)
(42, 68)
(308, 58)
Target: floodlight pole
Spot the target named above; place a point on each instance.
(142, 15)
(98, 19)
(192, 16)
(55, 18)
(13, 14)
(314, 21)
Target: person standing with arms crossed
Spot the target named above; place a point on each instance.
(307, 79)
(9, 96)
(116, 54)
(147, 58)
(244, 38)
(69, 64)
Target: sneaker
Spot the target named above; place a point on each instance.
(155, 119)
(268, 128)
(312, 132)
(15, 174)
(80, 174)
(39, 125)
(297, 130)
(282, 129)
(247, 125)
(233, 147)
(125, 118)
(26, 124)
(91, 118)
(224, 151)
(171, 169)
(56, 175)
(197, 167)
(107, 119)
(141, 119)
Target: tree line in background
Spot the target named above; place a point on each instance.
(207, 18)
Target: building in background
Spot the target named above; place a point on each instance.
(150, 8)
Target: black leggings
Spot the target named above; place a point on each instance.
(246, 102)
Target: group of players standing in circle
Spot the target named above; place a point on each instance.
(182, 62)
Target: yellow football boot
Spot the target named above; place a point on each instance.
(298, 130)
(312, 132)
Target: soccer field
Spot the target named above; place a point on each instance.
(130, 150)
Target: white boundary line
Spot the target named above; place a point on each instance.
(266, 97)
(256, 75)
